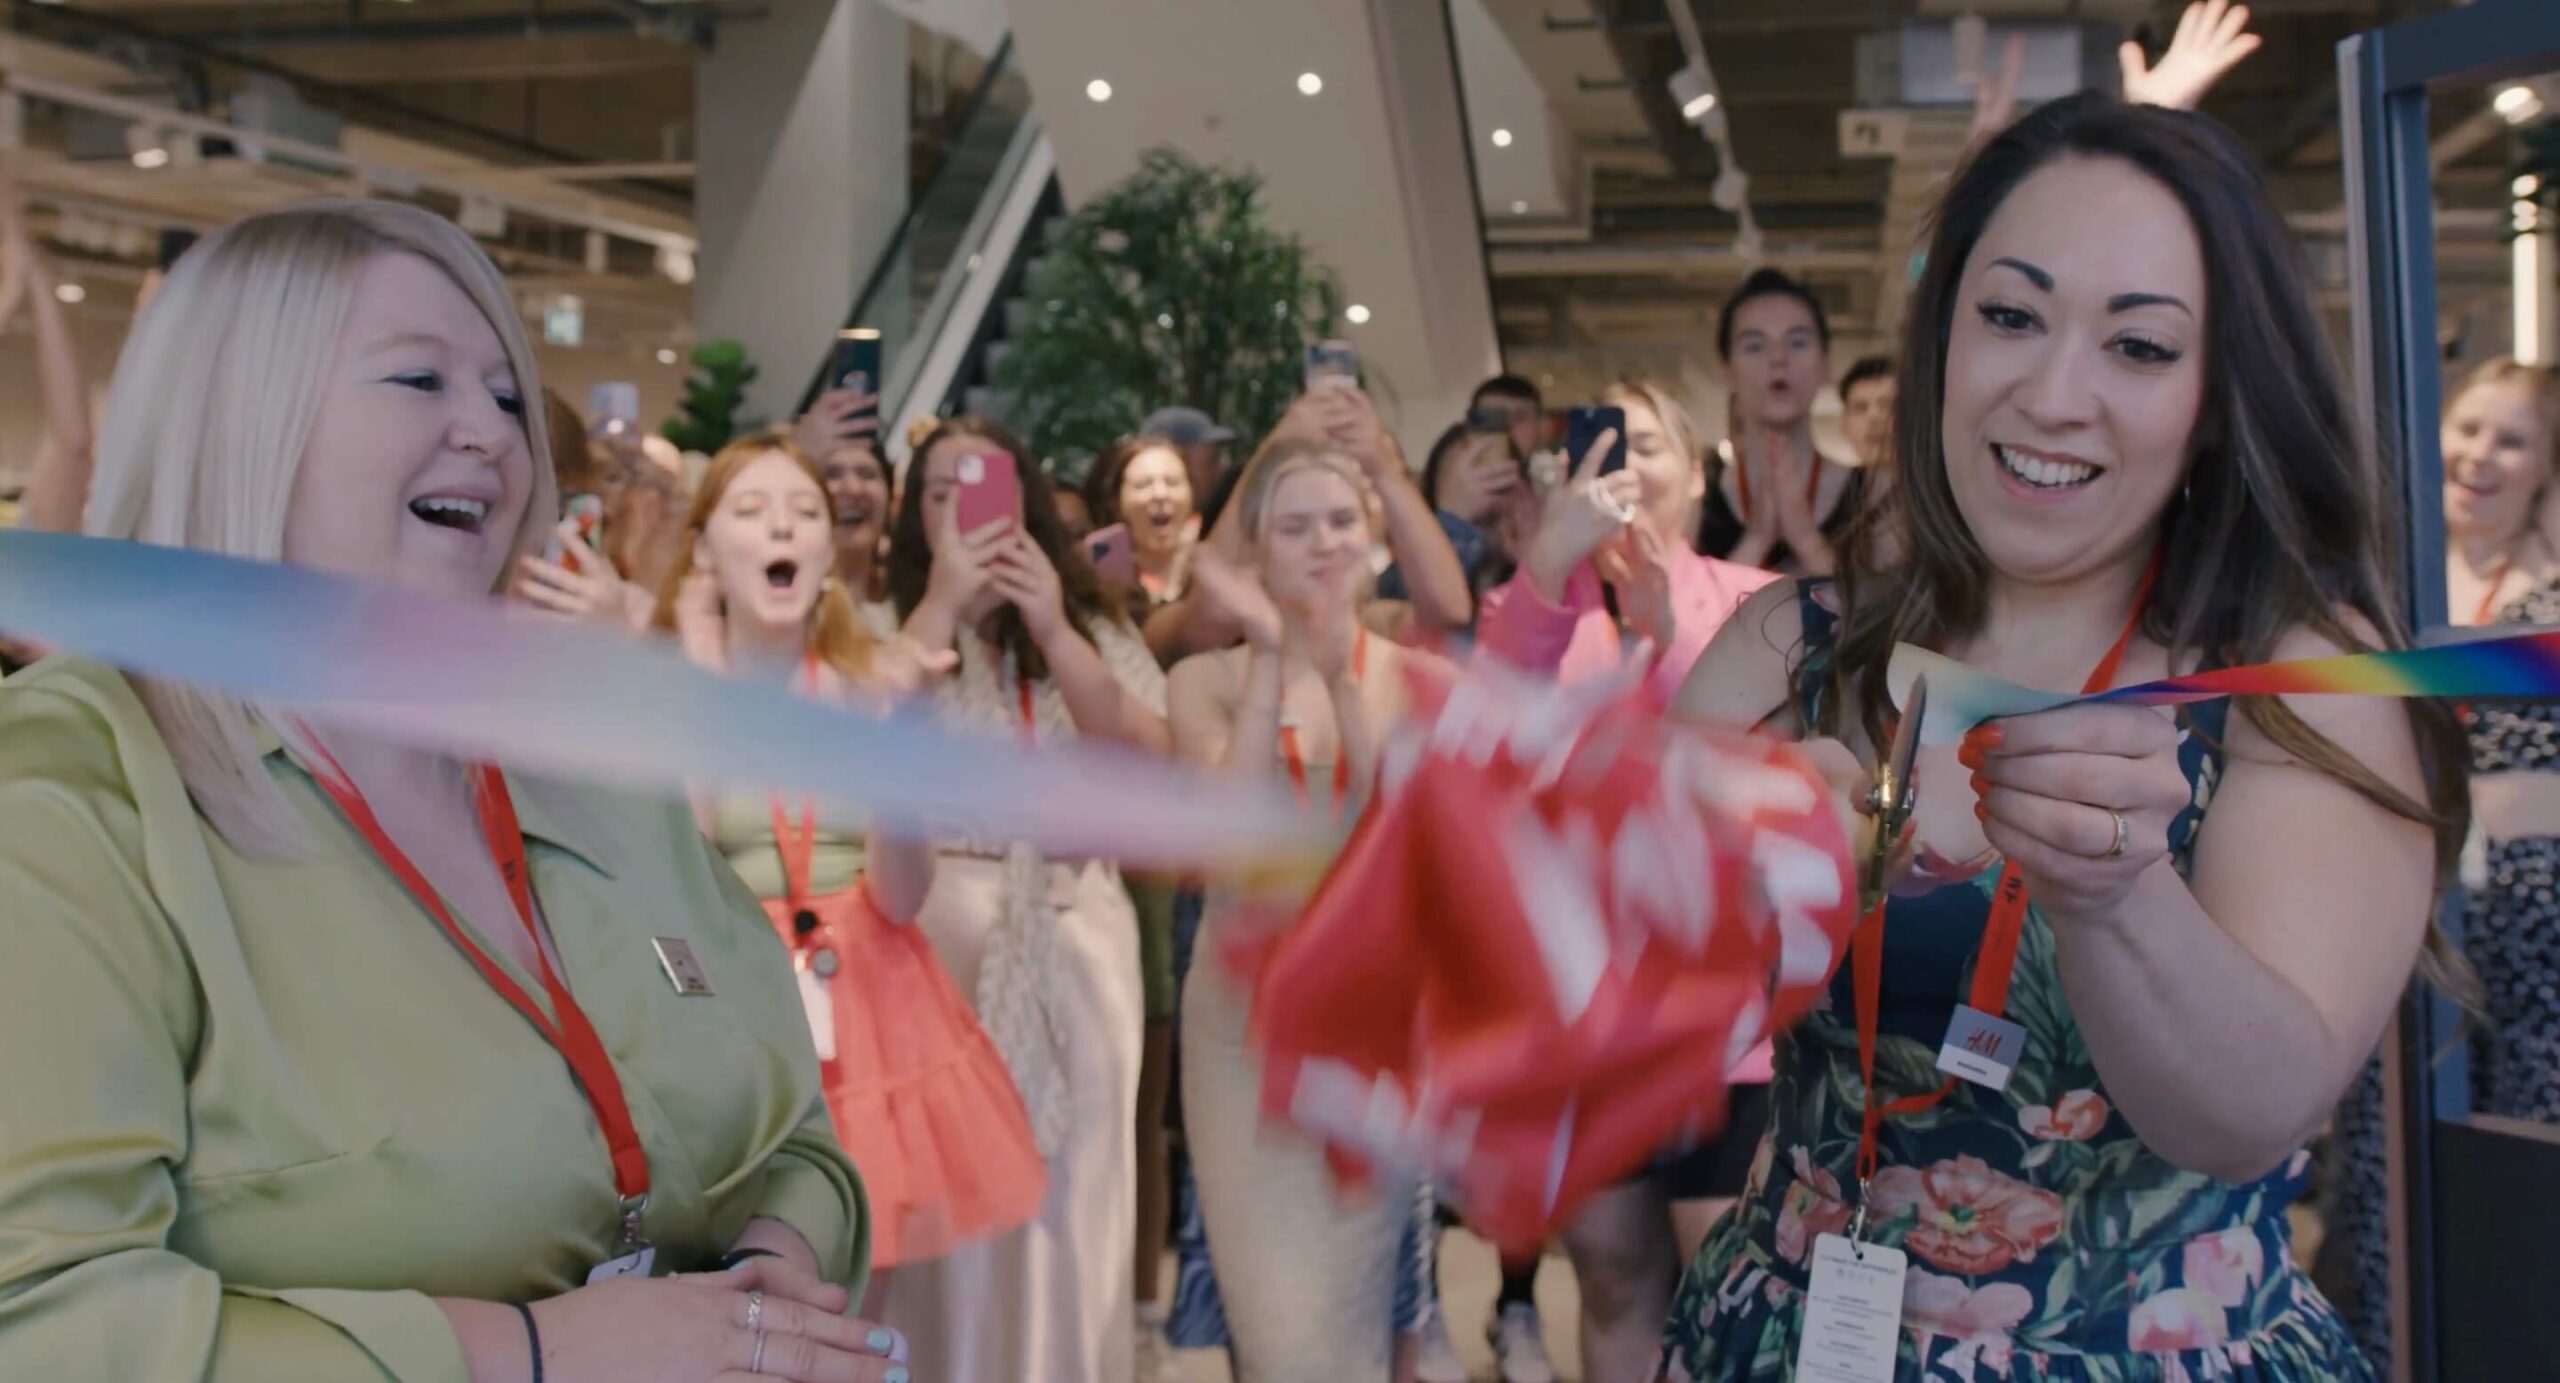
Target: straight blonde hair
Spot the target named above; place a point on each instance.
(212, 404)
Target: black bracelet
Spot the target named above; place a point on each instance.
(533, 1337)
(738, 1256)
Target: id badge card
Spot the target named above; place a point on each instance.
(628, 1265)
(1852, 1313)
(820, 1005)
(1981, 1048)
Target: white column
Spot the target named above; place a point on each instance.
(2537, 293)
(801, 155)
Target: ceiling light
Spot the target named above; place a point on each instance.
(1309, 84)
(1694, 90)
(70, 293)
(1502, 139)
(1519, 208)
(1356, 315)
(2518, 104)
(676, 262)
(666, 355)
(1097, 90)
(2526, 186)
(148, 159)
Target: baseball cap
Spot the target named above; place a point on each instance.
(1185, 427)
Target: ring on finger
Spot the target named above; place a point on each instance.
(1623, 510)
(755, 1364)
(2124, 835)
(755, 1312)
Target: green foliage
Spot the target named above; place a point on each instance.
(718, 385)
(1172, 288)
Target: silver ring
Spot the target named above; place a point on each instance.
(756, 1364)
(755, 1310)
(2124, 835)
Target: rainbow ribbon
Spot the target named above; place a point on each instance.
(2499, 667)
(483, 679)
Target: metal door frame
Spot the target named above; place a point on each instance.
(2383, 82)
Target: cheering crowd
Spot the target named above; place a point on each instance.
(328, 1057)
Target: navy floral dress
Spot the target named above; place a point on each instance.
(2045, 1241)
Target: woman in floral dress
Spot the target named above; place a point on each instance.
(2124, 453)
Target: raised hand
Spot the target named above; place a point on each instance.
(1590, 510)
(1029, 581)
(2212, 38)
(1995, 94)
(584, 587)
(1237, 594)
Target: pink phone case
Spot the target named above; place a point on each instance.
(989, 490)
(1113, 557)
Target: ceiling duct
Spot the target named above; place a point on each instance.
(1932, 64)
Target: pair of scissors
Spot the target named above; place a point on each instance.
(1896, 795)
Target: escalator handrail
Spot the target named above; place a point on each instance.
(997, 66)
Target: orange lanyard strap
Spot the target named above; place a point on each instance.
(573, 1036)
(2489, 597)
(1993, 964)
(798, 849)
(1295, 758)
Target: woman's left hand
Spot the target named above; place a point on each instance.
(1029, 581)
(2062, 789)
(1637, 564)
(582, 586)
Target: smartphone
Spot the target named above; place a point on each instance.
(1487, 418)
(990, 489)
(1328, 361)
(586, 513)
(856, 365)
(1113, 556)
(1582, 429)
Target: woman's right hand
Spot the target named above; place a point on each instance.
(1590, 510)
(701, 630)
(839, 420)
(694, 1330)
(1480, 480)
(1236, 594)
(961, 585)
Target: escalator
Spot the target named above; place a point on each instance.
(947, 293)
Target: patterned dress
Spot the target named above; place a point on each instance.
(2511, 932)
(2045, 1241)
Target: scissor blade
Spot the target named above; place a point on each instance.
(1905, 752)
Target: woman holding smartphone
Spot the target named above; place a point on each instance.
(1621, 533)
(980, 568)
(920, 1097)
(1308, 1278)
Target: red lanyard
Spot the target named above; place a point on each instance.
(798, 849)
(1992, 966)
(572, 1036)
(1022, 693)
(2489, 597)
(1742, 485)
(1291, 754)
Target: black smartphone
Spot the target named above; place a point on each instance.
(856, 365)
(1582, 428)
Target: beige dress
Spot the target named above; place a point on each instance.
(1048, 951)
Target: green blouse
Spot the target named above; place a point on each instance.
(253, 1114)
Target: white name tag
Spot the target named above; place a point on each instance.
(1981, 1048)
(821, 1008)
(628, 1265)
(1852, 1313)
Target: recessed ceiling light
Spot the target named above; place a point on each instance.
(1356, 315)
(1502, 139)
(1309, 84)
(153, 157)
(666, 356)
(70, 293)
(1097, 90)
(1519, 208)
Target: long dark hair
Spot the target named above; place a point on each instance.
(911, 548)
(2284, 522)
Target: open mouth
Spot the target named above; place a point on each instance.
(451, 511)
(2043, 472)
(2480, 489)
(780, 575)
